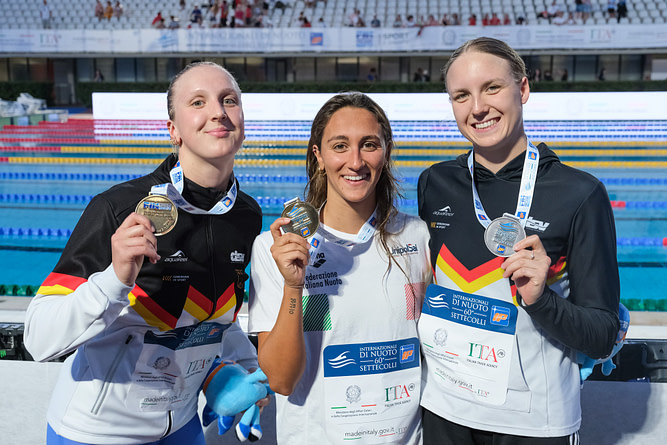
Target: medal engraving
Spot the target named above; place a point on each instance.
(501, 235)
(305, 218)
(160, 210)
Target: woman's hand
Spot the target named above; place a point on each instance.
(133, 240)
(528, 268)
(290, 252)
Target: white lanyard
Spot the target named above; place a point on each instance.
(173, 191)
(526, 190)
(365, 233)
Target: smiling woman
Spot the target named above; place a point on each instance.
(548, 295)
(351, 288)
(126, 306)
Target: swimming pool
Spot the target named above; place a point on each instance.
(49, 172)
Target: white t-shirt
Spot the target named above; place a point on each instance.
(362, 378)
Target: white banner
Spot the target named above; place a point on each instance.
(401, 107)
(314, 40)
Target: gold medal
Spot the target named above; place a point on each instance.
(305, 218)
(160, 210)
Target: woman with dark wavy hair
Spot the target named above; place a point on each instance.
(336, 311)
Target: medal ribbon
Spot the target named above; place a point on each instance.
(174, 189)
(364, 235)
(526, 189)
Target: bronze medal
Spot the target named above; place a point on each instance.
(162, 212)
(305, 218)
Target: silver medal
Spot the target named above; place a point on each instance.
(502, 233)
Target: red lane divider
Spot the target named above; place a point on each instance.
(618, 204)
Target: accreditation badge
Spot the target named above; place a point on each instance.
(468, 341)
(305, 218)
(161, 211)
(502, 233)
(372, 391)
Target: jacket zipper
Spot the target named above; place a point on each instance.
(211, 249)
(107, 379)
(170, 423)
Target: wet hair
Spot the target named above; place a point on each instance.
(170, 91)
(494, 47)
(386, 190)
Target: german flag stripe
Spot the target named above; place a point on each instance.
(468, 280)
(197, 304)
(60, 284)
(150, 311)
(226, 302)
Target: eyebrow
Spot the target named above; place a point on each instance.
(484, 85)
(342, 137)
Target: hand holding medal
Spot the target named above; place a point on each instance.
(299, 222)
(133, 241)
(528, 268)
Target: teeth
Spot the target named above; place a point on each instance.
(353, 178)
(485, 124)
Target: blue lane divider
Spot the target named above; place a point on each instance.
(28, 232)
(28, 198)
(255, 178)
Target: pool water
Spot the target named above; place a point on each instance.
(46, 182)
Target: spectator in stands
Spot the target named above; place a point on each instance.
(410, 22)
(431, 21)
(372, 75)
(419, 76)
(196, 16)
(161, 24)
(603, 74)
(353, 18)
(398, 22)
(99, 77)
(582, 10)
(118, 10)
(536, 76)
(224, 14)
(248, 14)
(486, 20)
(561, 19)
(445, 21)
(495, 20)
(305, 23)
(99, 10)
(472, 20)
(239, 16)
(212, 15)
(157, 19)
(550, 12)
(456, 20)
(173, 23)
(320, 23)
(375, 23)
(108, 11)
(622, 10)
(547, 76)
(564, 75)
(46, 15)
(506, 19)
(520, 19)
(611, 9)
